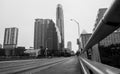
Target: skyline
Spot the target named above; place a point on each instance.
(22, 14)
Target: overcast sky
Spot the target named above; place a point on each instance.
(22, 14)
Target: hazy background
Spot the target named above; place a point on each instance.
(21, 14)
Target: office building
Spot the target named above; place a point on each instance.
(40, 32)
(93, 52)
(45, 35)
(51, 36)
(58, 37)
(69, 45)
(84, 39)
(10, 40)
(60, 23)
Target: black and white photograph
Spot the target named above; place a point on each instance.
(59, 36)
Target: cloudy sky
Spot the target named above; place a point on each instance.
(22, 14)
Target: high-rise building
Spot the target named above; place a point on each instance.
(45, 34)
(69, 45)
(60, 23)
(10, 38)
(52, 43)
(40, 30)
(55, 39)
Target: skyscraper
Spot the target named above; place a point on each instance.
(40, 33)
(60, 23)
(51, 36)
(10, 38)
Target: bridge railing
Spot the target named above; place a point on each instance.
(92, 67)
(108, 24)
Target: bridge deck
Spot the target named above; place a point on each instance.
(69, 65)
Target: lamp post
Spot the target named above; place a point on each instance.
(78, 40)
(46, 52)
(46, 48)
(78, 26)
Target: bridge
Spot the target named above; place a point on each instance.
(72, 65)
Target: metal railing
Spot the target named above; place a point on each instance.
(108, 24)
(89, 66)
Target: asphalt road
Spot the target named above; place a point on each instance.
(20, 66)
(69, 66)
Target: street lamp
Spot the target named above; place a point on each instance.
(46, 52)
(78, 42)
(78, 26)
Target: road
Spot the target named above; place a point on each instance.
(69, 65)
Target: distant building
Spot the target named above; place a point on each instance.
(33, 52)
(40, 31)
(60, 23)
(93, 52)
(84, 32)
(46, 35)
(84, 39)
(69, 45)
(52, 38)
(10, 39)
(58, 37)
(19, 51)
